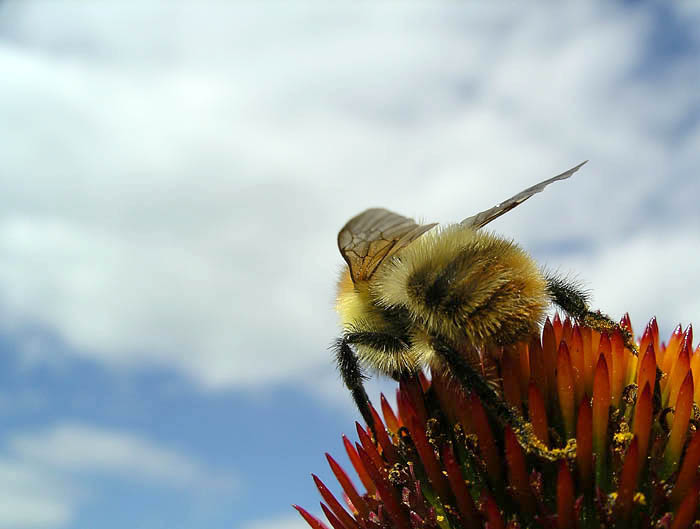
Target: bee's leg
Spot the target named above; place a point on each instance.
(351, 369)
(574, 301)
(523, 430)
(353, 377)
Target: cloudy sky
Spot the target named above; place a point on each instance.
(173, 179)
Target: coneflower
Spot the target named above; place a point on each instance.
(443, 460)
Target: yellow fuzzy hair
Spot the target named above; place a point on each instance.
(468, 286)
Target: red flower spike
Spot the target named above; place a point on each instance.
(424, 382)
(680, 369)
(348, 522)
(628, 479)
(672, 351)
(601, 407)
(388, 449)
(465, 503)
(584, 444)
(619, 367)
(688, 473)
(565, 389)
(494, 520)
(537, 366)
(487, 443)
(685, 515)
(679, 430)
(392, 423)
(359, 467)
(589, 356)
(549, 350)
(314, 522)
(566, 518)
(369, 447)
(357, 501)
(332, 519)
(641, 425)
(510, 378)
(524, 356)
(518, 478)
(577, 363)
(626, 323)
(413, 394)
(428, 459)
(647, 338)
(538, 413)
(386, 492)
(567, 330)
(647, 369)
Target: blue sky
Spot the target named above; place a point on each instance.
(173, 179)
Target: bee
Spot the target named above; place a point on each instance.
(421, 295)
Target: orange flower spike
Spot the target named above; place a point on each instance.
(628, 479)
(655, 332)
(510, 378)
(491, 512)
(679, 430)
(568, 329)
(518, 479)
(524, 357)
(428, 459)
(566, 518)
(695, 369)
(465, 503)
(619, 367)
(565, 389)
(388, 448)
(626, 323)
(601, 407)
(685, 515)
(641, 424)
(605, 349)
(359, 467)
(558, 328)
(538, 413)
(688, 473)
(392, 423)
(349, 489)
(672, 351)
(549, 351)
(647, 369)
(537, 366)
(577, 362)
(313, 522)
(584, 444)
(487, 443)
(348, 521)
(680, 369)
(386, 492)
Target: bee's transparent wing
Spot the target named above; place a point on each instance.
(482, 219)
(372, 236)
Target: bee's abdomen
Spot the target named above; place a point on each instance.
(464, 284)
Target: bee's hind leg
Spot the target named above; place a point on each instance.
(570, 297)
(353, 377)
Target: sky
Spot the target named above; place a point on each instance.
(173, 177)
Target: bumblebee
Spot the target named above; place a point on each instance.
(421, 295)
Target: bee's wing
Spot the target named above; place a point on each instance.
(482, 219)
(372, 236)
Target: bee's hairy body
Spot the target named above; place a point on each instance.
(466, 288)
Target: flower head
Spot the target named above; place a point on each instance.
(443, 460)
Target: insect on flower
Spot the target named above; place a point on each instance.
(415, 296)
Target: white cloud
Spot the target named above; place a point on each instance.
(77, 448)
(172, 191)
